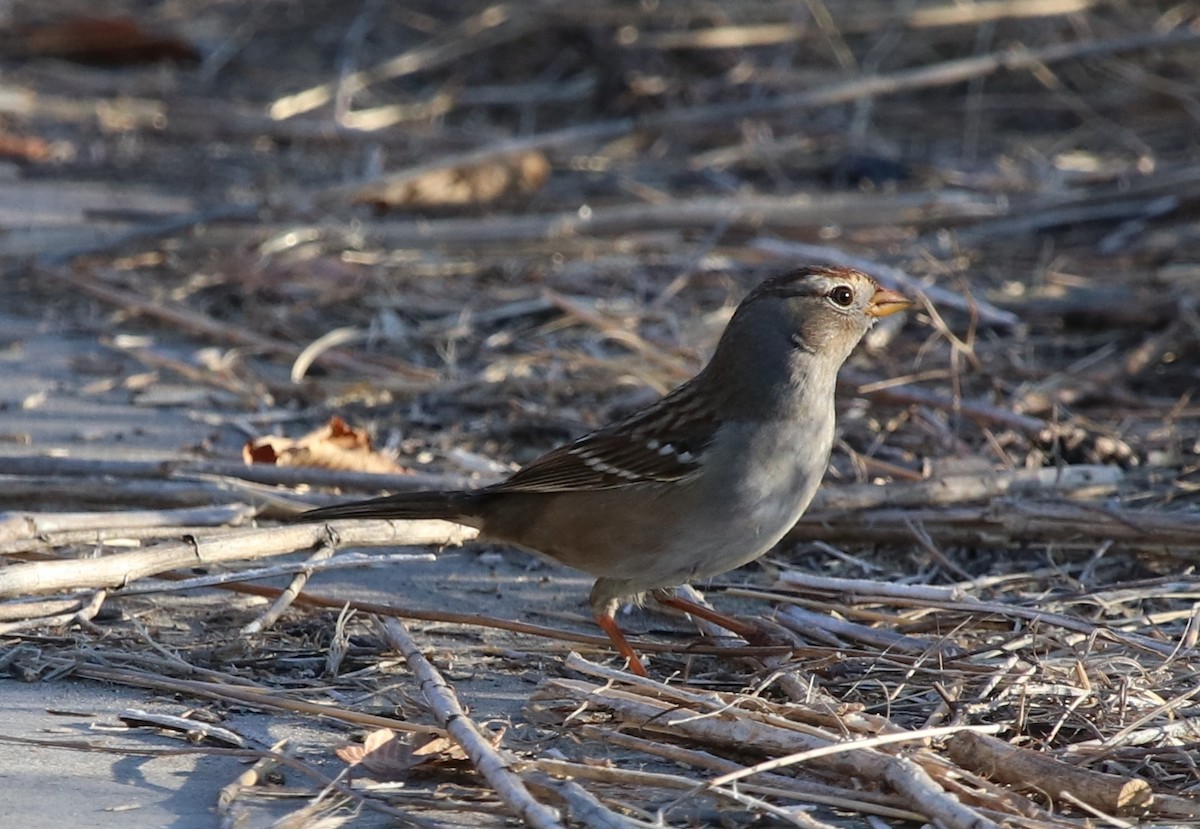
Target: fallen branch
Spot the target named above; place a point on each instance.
(15, 526)
(120, 569)
(446, 709)
(85, 612)
(1110, 793)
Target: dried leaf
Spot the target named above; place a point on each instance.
(458, 186)
(386, 756)
(333, 446)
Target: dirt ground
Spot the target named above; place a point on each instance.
(475, 231)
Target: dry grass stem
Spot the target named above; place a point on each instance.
(122, 568)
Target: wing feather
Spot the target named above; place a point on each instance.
(660, 444)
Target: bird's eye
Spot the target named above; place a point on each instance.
(842, 295)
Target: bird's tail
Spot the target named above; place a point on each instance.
(448, 506)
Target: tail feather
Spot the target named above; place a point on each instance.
(448, 506)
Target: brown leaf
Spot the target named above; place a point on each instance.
(457, 186)
(333, 446)
(386, 756)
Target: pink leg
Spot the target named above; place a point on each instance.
(748, 632)
(609, 625)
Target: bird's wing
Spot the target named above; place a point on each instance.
(663, 443)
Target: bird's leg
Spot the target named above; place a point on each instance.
(749, 632)
(609, 625)
(605, 599)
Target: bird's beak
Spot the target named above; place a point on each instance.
(887, 302)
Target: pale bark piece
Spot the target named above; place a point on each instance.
(1112, 794)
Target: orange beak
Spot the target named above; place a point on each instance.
(887, 302)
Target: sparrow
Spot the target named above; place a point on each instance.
(702, 481)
